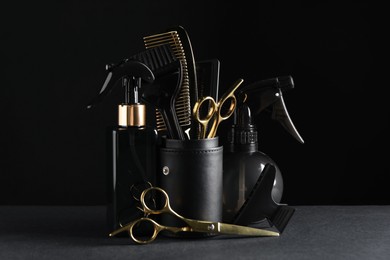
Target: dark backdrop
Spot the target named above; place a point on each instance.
(53, 56)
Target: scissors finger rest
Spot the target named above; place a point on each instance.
(157, 228)
(145, 230)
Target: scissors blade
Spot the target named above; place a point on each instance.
(223, 228)
(121, 229)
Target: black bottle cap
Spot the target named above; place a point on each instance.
(243, 133)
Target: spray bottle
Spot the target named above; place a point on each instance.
(243, 162)
(149, 77)
(131, 144)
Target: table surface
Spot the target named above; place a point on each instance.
(314, 232)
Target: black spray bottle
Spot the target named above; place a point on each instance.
(243, 162)
(131, 144)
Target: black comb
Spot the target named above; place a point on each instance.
(207, 72)
(160, 59)
(178, 39)
(168, 72)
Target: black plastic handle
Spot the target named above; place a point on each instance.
(130, 68)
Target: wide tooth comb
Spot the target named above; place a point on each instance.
(157, 59)
(166, 67)
(183, 102)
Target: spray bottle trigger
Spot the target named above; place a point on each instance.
(280, 114)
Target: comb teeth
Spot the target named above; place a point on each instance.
(182, 105)
(157, 58)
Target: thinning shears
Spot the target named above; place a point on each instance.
(214, 111)
(192, 224)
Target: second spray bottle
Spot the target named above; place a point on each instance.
(243, 162)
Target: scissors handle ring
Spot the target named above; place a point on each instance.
(156, 229)
(147, 209)
(230, 111)
(210, 112)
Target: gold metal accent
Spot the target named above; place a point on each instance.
(214, 110)
(132, 115)
(183, 103)
(192, 224)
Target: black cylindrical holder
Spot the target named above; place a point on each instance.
(190, 172)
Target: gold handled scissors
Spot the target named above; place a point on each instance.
(214, 110)
(192, 224)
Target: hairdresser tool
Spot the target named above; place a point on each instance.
(192, 225)
(131, 143)
(179, 41)
(117, 72)
(243, 162)
(166, 87)
(162, 96)
(260, 205)
(215, 113)
(268, 94)
(168, 77)
(207, 72)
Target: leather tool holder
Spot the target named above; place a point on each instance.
(190, 171)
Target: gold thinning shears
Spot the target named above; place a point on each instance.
(192, 224)
(214, 110)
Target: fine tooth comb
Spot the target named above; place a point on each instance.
(208, 78)
(179, 41)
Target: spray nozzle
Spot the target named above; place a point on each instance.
(131, 72)
(267, 93)
(262, 94)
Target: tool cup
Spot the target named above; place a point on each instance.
(190, 171)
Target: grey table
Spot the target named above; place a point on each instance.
(314, 232)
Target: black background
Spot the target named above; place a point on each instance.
(53, 56)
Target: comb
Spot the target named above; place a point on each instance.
(165, 76)
(160, 59)
(207, 72)
(168, 72)
(179, 41)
